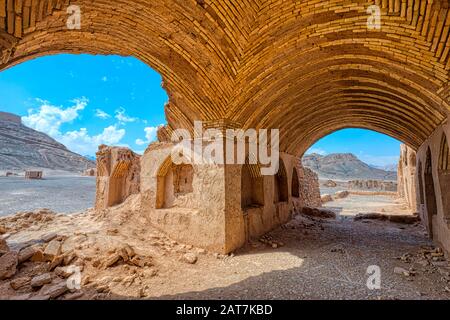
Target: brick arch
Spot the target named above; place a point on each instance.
(306, 67)
(444, 175)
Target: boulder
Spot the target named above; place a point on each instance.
(26, 254)
(190, 258)
(8, 265)
(3, 246)
(21, 282)
(318, 213)
(52, 250)
(54, 290)
(341, 194)
(326, 198)
(330, 184)
(40, 280)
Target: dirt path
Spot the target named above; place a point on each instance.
(314, 259)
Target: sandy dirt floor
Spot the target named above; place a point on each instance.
(66, 194)
(121, 257)
(355, 204)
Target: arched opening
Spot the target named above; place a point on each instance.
(421, 189)
(252, 187)
(444, 175)
(295, 185)
(78, 102)
(174, 181)
(281, 184)
(430, 196)
(363, 171)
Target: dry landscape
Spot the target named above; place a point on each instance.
(121, 256)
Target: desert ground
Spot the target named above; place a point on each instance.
(121, 257)
(55, 192)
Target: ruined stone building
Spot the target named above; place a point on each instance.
(307, 68)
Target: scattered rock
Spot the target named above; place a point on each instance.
(3, 246)
(8, 265)
(54, 290)
(21, 297)
(404, 272)
(326, 198)
(38, 256)
(63, 272)
(318, 213)
(403, 219)
(341, 194)
(73, 296)
(40, 280)
(26, 254)
(338, 249)
(111, 260)
(49, 237)
(56, 262)
(3, 230)
(52, 250)
(190, 258)
(18, 283)
(330, 184)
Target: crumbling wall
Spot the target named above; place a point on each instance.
(309, 187)
(118, 176)
(407, 176)
(429, 178)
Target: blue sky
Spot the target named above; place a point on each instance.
(371, 147)
(85, 100)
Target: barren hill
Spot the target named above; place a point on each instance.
(345, 166)
(23, 148)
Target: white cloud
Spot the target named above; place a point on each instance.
(318, 151)
(150, 135)
(81, 142)
(49, 119)
(101, 114)
(123, 117)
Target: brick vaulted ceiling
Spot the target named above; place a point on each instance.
(306, 67)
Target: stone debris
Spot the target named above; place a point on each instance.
(54, 290)
(40, 280)
(52, 250)
(26, 254)
(318, 213)
(271, 242)
(341, 194)
(19, 283)
(326, 198)
(8, 265)
(74, 296)
(402, 219)
(189, 258)
(404, 272)
(3, 246)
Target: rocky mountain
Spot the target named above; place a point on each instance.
(23, 148)
(345, 166)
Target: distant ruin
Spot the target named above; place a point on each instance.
(34, 175)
